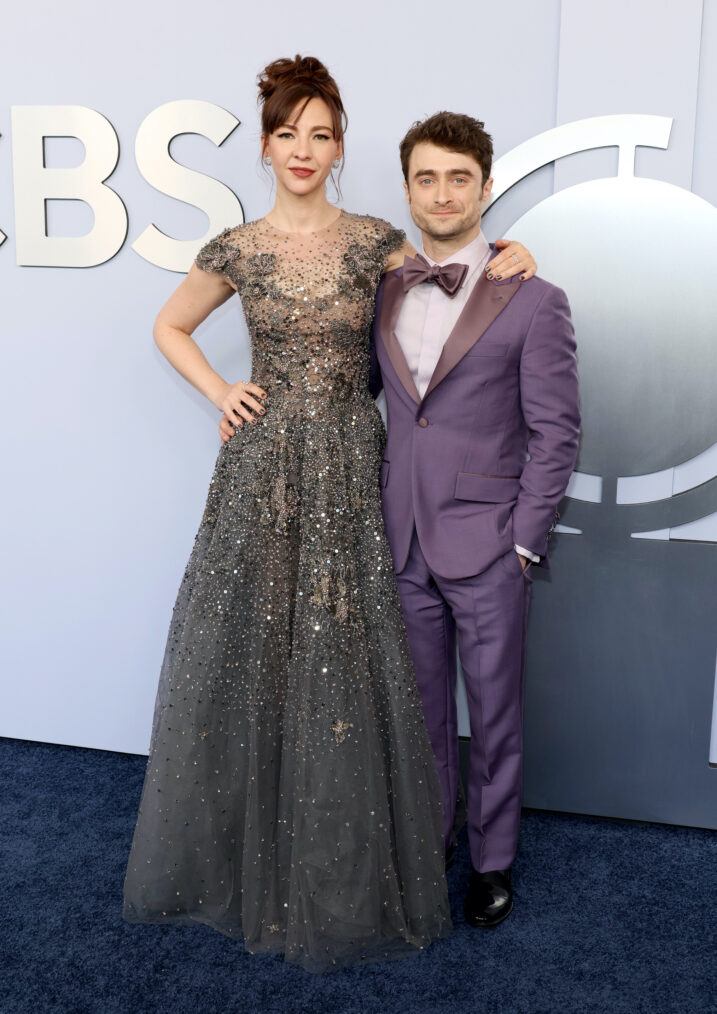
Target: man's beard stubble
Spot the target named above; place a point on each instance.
(456, 229)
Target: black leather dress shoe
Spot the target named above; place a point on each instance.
(489, 899)
(450, 856)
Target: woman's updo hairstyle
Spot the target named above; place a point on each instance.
(284, 83)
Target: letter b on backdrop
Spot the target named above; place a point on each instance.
(34, 185)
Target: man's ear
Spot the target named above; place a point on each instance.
(487, 188)
(407, 192)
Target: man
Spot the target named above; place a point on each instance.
(480, 380)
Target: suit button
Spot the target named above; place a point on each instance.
(423, 421)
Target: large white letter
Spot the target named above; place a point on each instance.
(34, 185)
(220, 204)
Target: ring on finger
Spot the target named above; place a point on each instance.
(515, 258)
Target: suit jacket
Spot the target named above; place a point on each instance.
(483, 459)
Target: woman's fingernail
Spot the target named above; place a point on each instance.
(490, 275)
(253, 422)
(262, 411)
(522, 278)
(499, 278)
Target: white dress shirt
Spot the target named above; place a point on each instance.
(428, 315)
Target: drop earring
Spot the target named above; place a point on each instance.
(267, 160)
(336, 163)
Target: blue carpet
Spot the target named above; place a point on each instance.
(610, 917)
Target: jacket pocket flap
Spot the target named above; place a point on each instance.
(488, 488)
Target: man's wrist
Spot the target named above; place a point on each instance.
(521, 551)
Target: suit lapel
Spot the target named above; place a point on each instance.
(392, 300)
(484, 304)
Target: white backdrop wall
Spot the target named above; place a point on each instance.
(106, 452)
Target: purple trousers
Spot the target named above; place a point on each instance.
(489, 612)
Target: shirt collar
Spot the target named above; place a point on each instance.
(475, 254)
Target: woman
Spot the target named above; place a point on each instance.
(291, 798)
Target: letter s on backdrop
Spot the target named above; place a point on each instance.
(220, 204)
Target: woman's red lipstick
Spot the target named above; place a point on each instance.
(303, 173)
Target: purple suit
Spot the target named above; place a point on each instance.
(458, 492)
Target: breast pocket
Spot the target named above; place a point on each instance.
(482, 348)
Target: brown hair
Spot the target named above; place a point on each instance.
(284, 83)
(454, 132)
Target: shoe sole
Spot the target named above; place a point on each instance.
(494, 922)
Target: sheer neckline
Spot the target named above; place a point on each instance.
(315, 232)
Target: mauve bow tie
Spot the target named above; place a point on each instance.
(449, 276)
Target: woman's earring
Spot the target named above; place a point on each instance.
(267, 160)
(337, 163)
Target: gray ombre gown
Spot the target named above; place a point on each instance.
(291, 798)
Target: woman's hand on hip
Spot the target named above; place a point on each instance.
(242, 402)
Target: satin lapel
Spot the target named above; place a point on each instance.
(484, 304)
(392, 300)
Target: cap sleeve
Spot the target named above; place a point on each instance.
(389, 240)
(218, 253)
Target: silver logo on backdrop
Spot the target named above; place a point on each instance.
(637, 258)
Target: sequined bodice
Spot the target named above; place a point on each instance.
(308, 301)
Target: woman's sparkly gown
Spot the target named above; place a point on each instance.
(291, 798)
